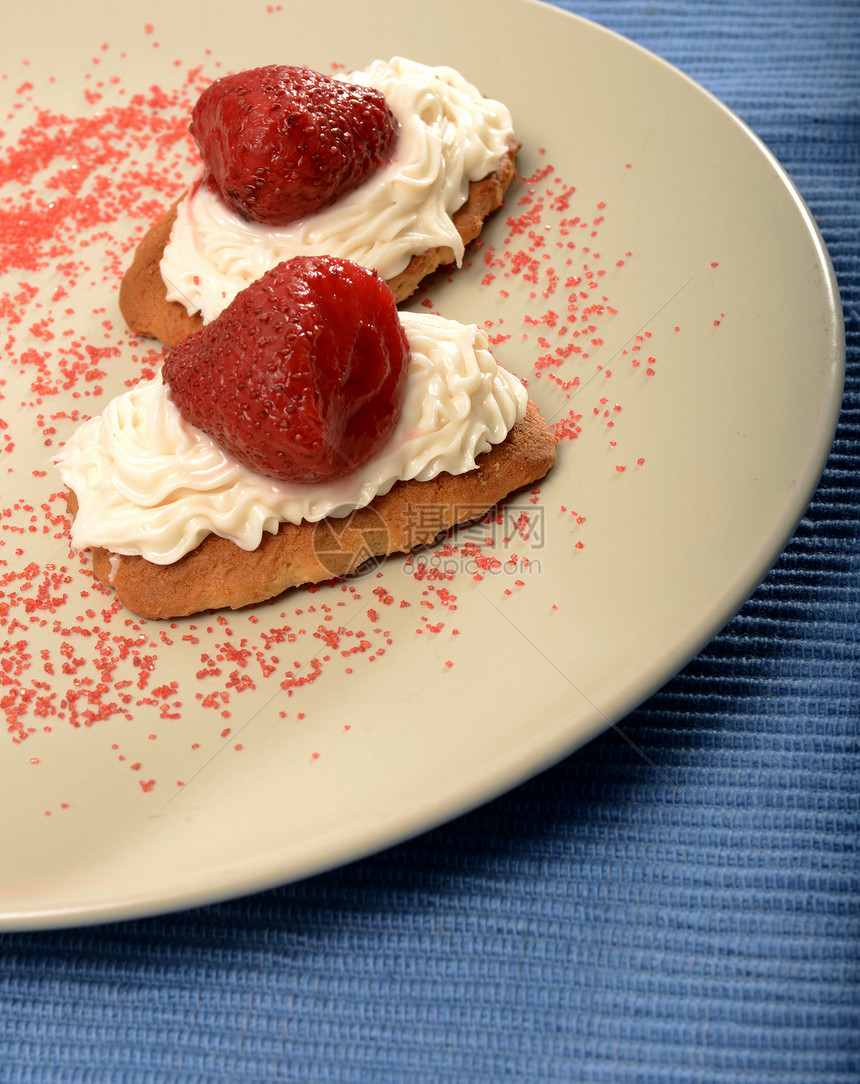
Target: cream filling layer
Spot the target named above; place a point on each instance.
(150, 484)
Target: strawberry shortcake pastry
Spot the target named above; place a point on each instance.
(305, 428)
(395, 167)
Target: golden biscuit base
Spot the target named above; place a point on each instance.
(218, 574)
(142, 295)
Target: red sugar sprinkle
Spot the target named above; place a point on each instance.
(76, 193)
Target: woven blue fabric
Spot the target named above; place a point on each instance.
(610, 921)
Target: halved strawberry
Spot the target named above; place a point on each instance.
(282, 142)
(301, 377)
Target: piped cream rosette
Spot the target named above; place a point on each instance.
(149, 484)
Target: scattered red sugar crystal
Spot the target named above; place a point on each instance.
(76, 194)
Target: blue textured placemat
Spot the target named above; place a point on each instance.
(688, 915)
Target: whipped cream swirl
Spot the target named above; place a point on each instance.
(449, 136)
(150, 484)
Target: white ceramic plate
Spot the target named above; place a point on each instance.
(708, 333)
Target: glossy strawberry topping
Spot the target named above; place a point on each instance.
(301, 377)
(280, 143)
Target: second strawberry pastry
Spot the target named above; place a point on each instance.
(395, 167)
(308, 426)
